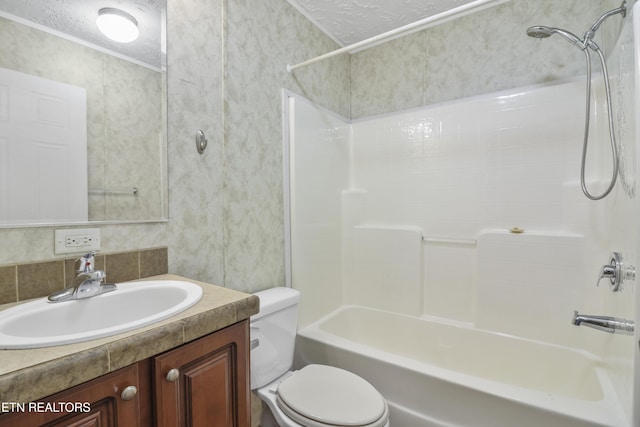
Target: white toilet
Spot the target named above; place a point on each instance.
(314, 396)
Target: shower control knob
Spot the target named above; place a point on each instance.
(616, 272)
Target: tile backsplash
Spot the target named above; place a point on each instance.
(20, 282)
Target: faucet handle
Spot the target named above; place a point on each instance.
(609, 272)
(87, 262)
(96, 275)
(616, 272)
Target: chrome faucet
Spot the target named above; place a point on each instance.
(91, 286)
(617, 272)
(613, 325)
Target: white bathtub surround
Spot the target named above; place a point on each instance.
(492, 161)
(318, 171)
(386, 268)
(419, 197)
(525, 284)
(414, 225)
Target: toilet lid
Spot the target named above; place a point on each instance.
(333, 396)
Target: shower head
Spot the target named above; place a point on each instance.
(541, 32)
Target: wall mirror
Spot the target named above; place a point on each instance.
(82, 118)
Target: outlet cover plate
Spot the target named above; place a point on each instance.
(76, 240)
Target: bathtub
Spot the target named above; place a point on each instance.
(435, 375)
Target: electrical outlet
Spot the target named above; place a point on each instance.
(76, 240)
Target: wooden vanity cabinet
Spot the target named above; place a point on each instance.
(108, 401)
(205, 382)
(202, 383)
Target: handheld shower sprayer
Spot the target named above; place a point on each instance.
(542, 32)
(586, 43)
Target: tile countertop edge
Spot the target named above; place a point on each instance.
(42, 372)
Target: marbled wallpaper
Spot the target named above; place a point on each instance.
(144, 132)
(261, 38)
(479, 53)
(226, 205)
(195, 79)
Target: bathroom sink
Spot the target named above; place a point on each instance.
(133, 305)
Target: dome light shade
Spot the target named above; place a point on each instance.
(118, 25)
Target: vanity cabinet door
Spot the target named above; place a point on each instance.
(99, 402)
(205, 382)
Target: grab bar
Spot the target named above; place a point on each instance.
(132, 191)
(449, 240)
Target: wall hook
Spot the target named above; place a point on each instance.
(201, 142)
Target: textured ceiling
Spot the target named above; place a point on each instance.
(77, 18)
(345, 21)
(350, 21)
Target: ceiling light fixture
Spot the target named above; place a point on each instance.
(117, 24)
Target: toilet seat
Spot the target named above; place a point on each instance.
(320, 396)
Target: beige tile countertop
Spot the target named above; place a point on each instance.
(28, 375)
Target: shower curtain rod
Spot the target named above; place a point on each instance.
(430, 21)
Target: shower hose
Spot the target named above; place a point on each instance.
(614, 147)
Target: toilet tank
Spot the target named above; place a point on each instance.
(273, 335)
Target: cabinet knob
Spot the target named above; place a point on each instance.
(173, 375)
(129, 392)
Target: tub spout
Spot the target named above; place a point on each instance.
(613, 325)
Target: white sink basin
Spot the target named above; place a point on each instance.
(133, 305)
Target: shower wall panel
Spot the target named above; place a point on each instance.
(496, 161)
(462, 170)
(318, 171)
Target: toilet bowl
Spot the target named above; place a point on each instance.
(315, 395)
